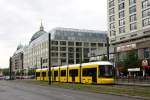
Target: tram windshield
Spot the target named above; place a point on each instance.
(106, 71)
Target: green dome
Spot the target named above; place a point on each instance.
(38, 34)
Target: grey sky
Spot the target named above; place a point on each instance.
(20, 19)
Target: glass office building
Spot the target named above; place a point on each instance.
(68, 46)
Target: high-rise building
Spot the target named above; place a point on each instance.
(68, 46)
(129, 26)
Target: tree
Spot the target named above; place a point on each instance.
(104, 58)
(6, 72)
(131, 60)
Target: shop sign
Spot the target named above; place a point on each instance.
(126, 47)
(133, 69)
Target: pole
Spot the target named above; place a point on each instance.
(10, 68)
(107, 38)
(22, 71)
(41, 66)
(49, 57)
(80, 63)
(35, 69)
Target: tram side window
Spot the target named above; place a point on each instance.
(105, 71)
(89, 72)
(55, 73)
(43, 74)
(37, 74)
(63, 72)
(73, 72)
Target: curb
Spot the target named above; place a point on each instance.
(132, 84)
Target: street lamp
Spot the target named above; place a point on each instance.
(49, 57)
(10, 68)
(80, 63)
(107, 39)
(41, 64)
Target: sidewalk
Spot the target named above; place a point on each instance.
(145, 83)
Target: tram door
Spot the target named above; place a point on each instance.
(55, 75)
(73, 73)
(91, 72)
(94, 75)
(43, 75)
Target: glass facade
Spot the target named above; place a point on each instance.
(78, 35)
(68, 46)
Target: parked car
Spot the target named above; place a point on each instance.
(7, 78)
(1, 77)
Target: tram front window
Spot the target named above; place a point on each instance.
(106, 71)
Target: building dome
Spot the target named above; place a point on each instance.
(19, 46)
(38, 34)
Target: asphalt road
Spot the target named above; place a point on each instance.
(22, 91)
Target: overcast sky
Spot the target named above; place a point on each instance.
(20, 19)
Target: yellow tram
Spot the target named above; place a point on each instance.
(101, 72)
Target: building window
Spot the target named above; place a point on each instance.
(112, 33)
(111, 11)
(132, 9)
(121, 22)
(112, 26)
(78, 43)
(133, 18)
(62, 42)
(122, 29)
(111, 3)
(62, 54)
(146, 13)
(121, 14)
(70, 43)
(62, 48)
(93, 44)
(55, 54)
(112, 18)
(131, 2)
(146, 22)
(133, 26)
(54, 42)
(70, 49)
(146, 52)
(100, 44)
(54, 49)
(121, 6)
(145, 3)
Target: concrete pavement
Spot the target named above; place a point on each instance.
(10, 90)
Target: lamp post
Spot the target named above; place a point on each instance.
(41, 64)
(22, 71)
(49, 57)
(10, 68)
(107, 39)
(80, 63)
